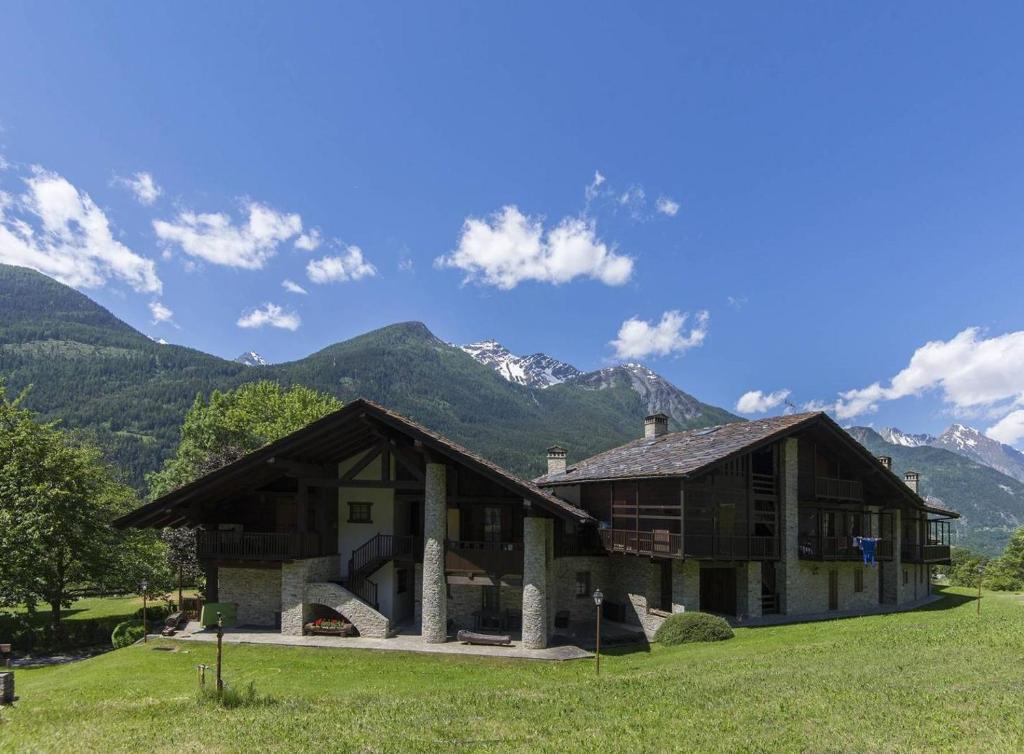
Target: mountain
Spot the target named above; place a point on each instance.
(105, 379)
(251, 359)
(897, 437)
(542, 371)
(971, 443)
(991, 504)
(537, 370)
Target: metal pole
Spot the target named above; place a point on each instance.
(979, 593)
(220, 637)
(598, 643)
(145, 623)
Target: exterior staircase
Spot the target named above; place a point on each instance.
(371, 556)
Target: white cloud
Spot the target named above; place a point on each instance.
(736, 302)
(293, 287)
(639, 339)
(634, 199)
(142, 185)
(1009, 429)
(591, 192)
(160, 312)
(58, 230)
(309, 241)
(270, 314)
(405, 264)
(510, 248)
(341, 269)
(667, 206)
(971, 371)
(758, 402)
(214, 238)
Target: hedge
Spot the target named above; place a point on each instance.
(126, 633)
(682, 628)
(30, 635)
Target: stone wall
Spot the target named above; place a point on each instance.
(256, 592)
(367, 621)
(811, 593)
(466, 599)
(787, 570)
(635, 583)
(563, 584)
(748, 589)
(685, 586)
(293, 579)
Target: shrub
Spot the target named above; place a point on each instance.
(127, 633)
(34, 635)
(687, 627)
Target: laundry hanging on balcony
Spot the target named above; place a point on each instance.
(867, 548)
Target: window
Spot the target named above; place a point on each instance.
(360, 513)
(492, 524)
(858, 580)
(583, 584)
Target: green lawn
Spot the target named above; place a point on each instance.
(91, 607)
(936, 679)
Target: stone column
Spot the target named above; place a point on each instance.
(535, 582)
(435, 520)
(788, 571)
(749, 588)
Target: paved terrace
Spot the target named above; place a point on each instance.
(413, 642)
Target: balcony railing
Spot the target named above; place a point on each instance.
(250, 545)
(484, 557)
(839, 548)
(838, 489)
(670, 545)
(911, 552)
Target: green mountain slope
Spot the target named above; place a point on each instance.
(991, 504)
(96, 373)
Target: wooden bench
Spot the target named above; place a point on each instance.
(490, 640)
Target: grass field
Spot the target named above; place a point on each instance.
(91, 607)
(938, 679)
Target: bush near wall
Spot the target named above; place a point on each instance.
(682, 628)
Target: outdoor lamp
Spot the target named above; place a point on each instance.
(598, 597)
(143, 585)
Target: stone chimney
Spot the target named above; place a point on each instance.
(886, 461)
(556, 459)
(912, 478)
(655, 425)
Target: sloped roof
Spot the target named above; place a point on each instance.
(678, 454)
(337, 436)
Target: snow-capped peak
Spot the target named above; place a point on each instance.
(907, 440)
(251, 359)
(537, 370)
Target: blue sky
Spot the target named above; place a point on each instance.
(849, 186)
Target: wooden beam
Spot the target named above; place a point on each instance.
(361, 483)
(364, 461)
(298, 468)
(408, 460)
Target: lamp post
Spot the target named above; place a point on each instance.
(598, 599)
(144, 586)
(981, 572)
(220, 639)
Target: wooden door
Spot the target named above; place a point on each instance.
(718, 590)
(833, 590)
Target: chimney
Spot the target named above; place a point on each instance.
(556, 459)
(886, 461)
(655, 425)
(912, 478)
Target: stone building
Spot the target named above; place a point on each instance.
(369, 516)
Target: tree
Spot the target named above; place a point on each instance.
(222, 430)
(963, 570)
(57, 499)
(1006, 573)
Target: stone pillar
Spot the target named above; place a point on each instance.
(6, 688)
(788, 570)
(685, 586)
(535, 582)
(749, 589)
(434, 602)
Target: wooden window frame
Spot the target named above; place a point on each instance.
(360, 505)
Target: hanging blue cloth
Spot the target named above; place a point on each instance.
(867, 548)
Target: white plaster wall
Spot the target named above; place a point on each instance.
(351, 536)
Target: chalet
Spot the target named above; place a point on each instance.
(369, 515)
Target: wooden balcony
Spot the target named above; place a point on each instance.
(840, 548)
(250, 545)
(827, 488)
(930, 553)
(501, 558)
(669, 545)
